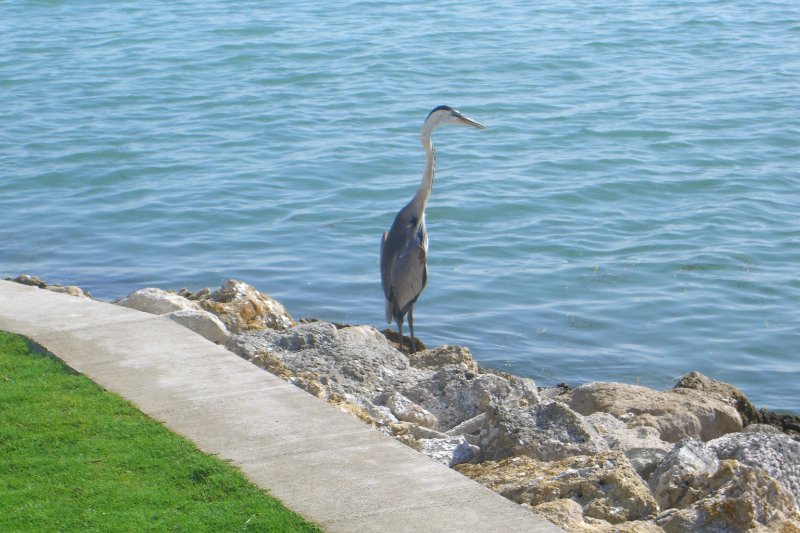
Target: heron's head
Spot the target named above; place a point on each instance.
(444, 115)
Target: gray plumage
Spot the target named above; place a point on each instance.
(404, 248)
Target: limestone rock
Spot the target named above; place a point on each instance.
(441, 356)
(565, 513)
(469, 427)
(789, 424)
(568, 514)
(178, 308)
(406, 410)
(450, 451)
(546, 432)
(382, 415)
(202, 294)
(72, 290)
(454, 394)
(201, 322)
(777, 454)
(27, 279)
(403, 345)
(556, 392)
(641, 444)
(674, 482)
(265, 359)
(676, 415)
(155, 301)
(355, 362)
(34, 281)
(760, 428)
(242, 308)
(359, 363)
(605, 485)
(736, 497)
(354, 409)
(464, 452)
(721, 390)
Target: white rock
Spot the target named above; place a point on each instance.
(548, 431)
(156, 301)
(243, 308)
(407, 411)
(449, 451)
(676, 413)
(777, 454)
(72, 290)
(201, 322)
(641, 445)
(737, 497)
(380, 414)
(455, 394)
(674, 481)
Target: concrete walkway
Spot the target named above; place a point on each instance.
(322, 463)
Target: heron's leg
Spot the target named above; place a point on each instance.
(411, 327)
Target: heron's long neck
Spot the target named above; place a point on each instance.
(424, 192)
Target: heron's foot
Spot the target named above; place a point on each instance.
(405, 345)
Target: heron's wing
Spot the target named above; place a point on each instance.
(386, 266)
(403, 256)
(409, 276)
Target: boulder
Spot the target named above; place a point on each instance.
(789, 424)
(441, 356)
(733, 483)
(156, 301)
(775, 453)
(27, 279)
(455, 395)
(355, 362)
(201, 322)
(407, 411)
(642, 445)
(605, 485)
(675, 481)
(359, 363)
(470, 427)
(34, 281)
(382, 415)
(242, 308)
(722, 391)
(178, 308)
(568, 514)
(202, 294)
(546, 432)
(736, 497)
(450, 451)
(676, 415)
(72, 290)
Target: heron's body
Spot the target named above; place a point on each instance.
(404, 248)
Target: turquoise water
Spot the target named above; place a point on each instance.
(631, 212)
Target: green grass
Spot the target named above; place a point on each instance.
(74, 457)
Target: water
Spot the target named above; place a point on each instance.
(631, 212)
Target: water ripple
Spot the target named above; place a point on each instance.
(631, 212)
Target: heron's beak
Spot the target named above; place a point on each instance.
(468, 121)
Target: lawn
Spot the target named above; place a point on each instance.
(74, 457)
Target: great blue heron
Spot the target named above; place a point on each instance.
(404, 248)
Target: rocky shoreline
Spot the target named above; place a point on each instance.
(599, 457)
